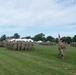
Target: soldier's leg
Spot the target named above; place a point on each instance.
(62, 53)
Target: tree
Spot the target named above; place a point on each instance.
(44, 39)
(74, 38)
(64, 39)
(16, 36)
(11, 36)
(28, 37)
(39, 37)
(56, 40)
(68, 39)
(50, 38)
(3, 37)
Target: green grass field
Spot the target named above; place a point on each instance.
(42, 61)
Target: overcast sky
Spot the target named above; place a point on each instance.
(31, 17)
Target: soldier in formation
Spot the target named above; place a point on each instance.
(73, 44)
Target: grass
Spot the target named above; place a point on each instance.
(42, 61)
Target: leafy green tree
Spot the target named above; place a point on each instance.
(3, 37)
(64, 39)
(67, 39)
(56, 40)
(16, 36)
(74, 38)
(39, 37)
(11, 36)
(44, 39)
(28, 37)
(50, 38)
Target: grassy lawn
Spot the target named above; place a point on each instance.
(42, 61)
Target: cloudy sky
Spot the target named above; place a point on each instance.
(31, 17)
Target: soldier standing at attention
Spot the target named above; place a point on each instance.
(61, 47)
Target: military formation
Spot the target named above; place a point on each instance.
(19, 45)
(73, 44)
(48, 43)
(1, 44)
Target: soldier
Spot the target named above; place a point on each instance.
(27, 45)
(15, 46)
(5, 44)
(61, 47)
(23, 45)
(19, 45)
(32, 46)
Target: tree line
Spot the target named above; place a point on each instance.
(41, 37)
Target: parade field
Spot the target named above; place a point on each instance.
(43, 60)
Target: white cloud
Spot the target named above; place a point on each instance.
(28, 13)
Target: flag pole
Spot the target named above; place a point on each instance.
(58, 37)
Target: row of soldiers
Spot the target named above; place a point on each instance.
(73, 44)
(19, 45)
(48, 43)
(1, 44)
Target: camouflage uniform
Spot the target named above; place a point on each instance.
(61, 47)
